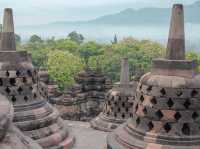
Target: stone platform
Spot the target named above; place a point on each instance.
(86, 137)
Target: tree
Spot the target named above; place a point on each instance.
(88, 50)
(191, 55)
(67, 45)
(63, 66)
(115, 41)
(76, 37)
(35, 39)
(17, 39)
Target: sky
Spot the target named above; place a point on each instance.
(29, 12)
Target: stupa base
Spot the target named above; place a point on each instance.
(104, 123)
(126, 137)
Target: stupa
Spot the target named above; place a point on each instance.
(85, 99)
(19, 82)
(10, 136)
(166, 112)
(119, 103)
(51, 88)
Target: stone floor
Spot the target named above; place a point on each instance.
(86, 137)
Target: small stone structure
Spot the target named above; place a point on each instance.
(85, 99)
(10, 136)
(119, 103)
(19, 82)
(166, 111)
(51, 87)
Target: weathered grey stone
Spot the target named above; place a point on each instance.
(119, 103)
(166, 111)
(85, 99)
(19, 83)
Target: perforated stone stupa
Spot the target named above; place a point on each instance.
(18, 81)
(51, 88)
(166, 112)
(10, 136)
(85, 99)
(119, 103)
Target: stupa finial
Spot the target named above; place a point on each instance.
(176, 40)
(124, 78)
(8, 35)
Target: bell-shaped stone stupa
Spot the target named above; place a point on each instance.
(119, 103)
(166, 111)
(19, 82)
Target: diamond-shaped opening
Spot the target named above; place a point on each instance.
(119, 99)
(141, 98)
(12, 81)
(138, 121)
(31, 88)
(187, 104)
(163, 92)
(123, 115)
(108, 113)
(186, 129)
(194, 93)
(109, 103)
(112, 98)
(140, 86)
(115, 114)
(123, 104)
(7, 73)
(119, 110)
(127, 109)
(150, 125)
(1, 82)
(170, 103)
(131, 104)
(159, 114)
(195, 115)
(17, 73)
(115, 103)
(25, 98)
(177, 116)
(24, 80)
(13, 99)
(131, 115)
(149, 88)
(19, 90)
(29, 73)
(144, 111)
(153, 100)
(136, 107)
(7, 90)
(167, 127)
(179, 93)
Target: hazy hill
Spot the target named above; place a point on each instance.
(145, 15)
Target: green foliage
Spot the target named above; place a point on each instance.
(76, 37)
(90, 49)
(64, 57)
(115, 40)
(191, 55)
(62, 67)
(35, 39)
(17, 39)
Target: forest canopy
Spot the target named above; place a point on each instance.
(64, 58)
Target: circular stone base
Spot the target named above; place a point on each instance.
(122, 138)
(105, 123)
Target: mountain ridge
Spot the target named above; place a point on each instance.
(149, 15)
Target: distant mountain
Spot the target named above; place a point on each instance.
(143, 16)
